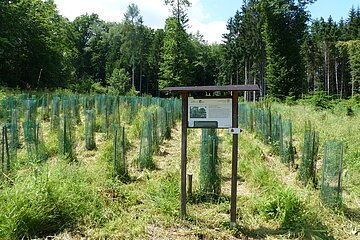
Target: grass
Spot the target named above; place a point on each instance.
(83, 199)
(332, 125)
(48, 199)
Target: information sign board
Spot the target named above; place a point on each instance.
(209, 112)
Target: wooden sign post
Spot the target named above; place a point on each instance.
(184, 91)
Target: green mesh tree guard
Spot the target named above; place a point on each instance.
(29, 127)
(145, 159)
(6, 105)
(12, 137)
(5, 151)
(55, 113)
(66, 139)
(168, 120)
(31, 109)
(263, 125)
(33, 141)
(105, 113)
(331, 189)
(66, 107)
(40, 147)
(210, 176)
(258, 123)
(246, 116)
(89, 102)
(119, 153)
(155, 133)
(99, 103)
(75, 108)
(132, 106)
(90, 128)
(307, 171)
(276, 133)
(286, 143)
(161, 124)
(14, 130)
(45, 108)
(116, 113)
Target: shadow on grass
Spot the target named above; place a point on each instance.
(352, 214)
(305, 232)
(228, 179)
(199, 197)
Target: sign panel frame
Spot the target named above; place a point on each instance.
(209, 112)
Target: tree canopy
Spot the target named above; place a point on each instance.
(272, 43)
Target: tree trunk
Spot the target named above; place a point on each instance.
(336, 77)
(246, 80)
(325, 66)
(328, 75)
(237, 74)
(133, 74)
(254, 92)
(140, 79)
(342, 80)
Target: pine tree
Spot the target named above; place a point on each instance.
(283, 32)
(176, 52)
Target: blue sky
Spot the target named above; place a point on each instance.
(209, 17)
(335, 8)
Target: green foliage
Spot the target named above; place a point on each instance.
(88, 49)
(165, 196)
(352, 49)
(283, 32)
(34, 39)
(132, 92)
(284, 206)
(47, 201)
(119, 82)
(320, 100)
(176, 54)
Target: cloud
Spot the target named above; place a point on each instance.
(197, 11)
(154, 14)
(212, 31)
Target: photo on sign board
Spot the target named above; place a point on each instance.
(198, 112)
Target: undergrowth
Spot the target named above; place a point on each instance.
(51, 198)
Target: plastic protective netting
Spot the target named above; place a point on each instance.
(119, 153)
(210, 174)
(24, 116)
(307, 171)
(331, 189)
(90, 128)
(270, 128)
(146, 143)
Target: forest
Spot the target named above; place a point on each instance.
(89, 142)
(273, 43)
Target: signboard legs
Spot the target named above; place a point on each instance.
(184, 126)
(234, 158)
(183, 154)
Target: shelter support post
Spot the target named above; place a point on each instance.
(184, 96)
(235, 95)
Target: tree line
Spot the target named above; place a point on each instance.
(272, 43)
